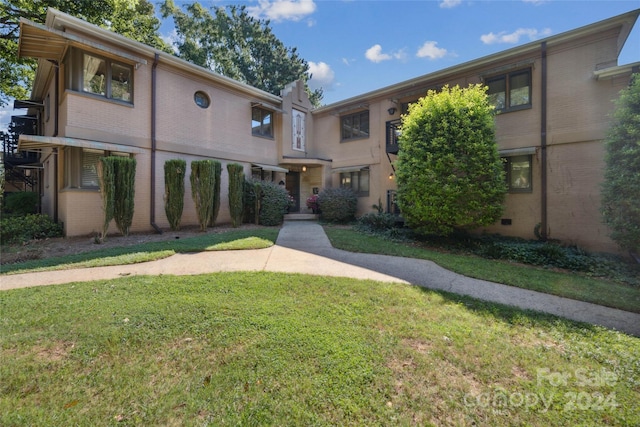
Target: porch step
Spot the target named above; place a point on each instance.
(301, 217)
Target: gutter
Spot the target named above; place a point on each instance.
(56, 129)
(152, 213)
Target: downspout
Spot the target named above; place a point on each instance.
(152, 213)
(543, 144)
(56, 109)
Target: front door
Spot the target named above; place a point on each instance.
(293, 187)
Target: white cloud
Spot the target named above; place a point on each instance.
(514, 37)
(282, 10)
(448, 4)
(322, 76)
(430, 50)
(374, 54)
(171, 39)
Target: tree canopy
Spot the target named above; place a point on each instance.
(449, 172)
(131, 18)
(621, 188)
(231, 42)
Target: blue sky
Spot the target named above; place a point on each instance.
(355, 46)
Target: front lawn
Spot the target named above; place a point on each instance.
(282, 349)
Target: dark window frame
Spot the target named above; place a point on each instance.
(510, 174)
(200, 96)
(259, 127)
(75, 66)
(508, 79)
(360, 189)
(354, 126)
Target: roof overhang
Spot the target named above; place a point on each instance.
(270, 168)
(617, 71)
(39, 41)
(517, 151)
(349, 169)
(37, 143)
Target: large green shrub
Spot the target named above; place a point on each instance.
(449, 172)
(216, 193)
(106, 179)
(268, 199)
(17, 229)
(21, 203)
(174, 173)
(236, 193)
(338, 204)
(621, 187)
(203, 185)
(124, 200)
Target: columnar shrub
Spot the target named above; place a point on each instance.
(450, 176)
(216, 193)
(338, 204)
(174, 173)
(124, 190)
(236, 187)
(203, 176)
(106, 179)
(621, 188)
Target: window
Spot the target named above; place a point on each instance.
(510, 92)
(358, 181)
(93, 74)
(261, 122)
(81, 167)
(355, 126)
(201, 99)
(518, 173)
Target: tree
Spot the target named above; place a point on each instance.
(203, 186)
(449, 173)
(236, 193)
(131, 18)
(621, 187)
(236, 45)
(174, 173)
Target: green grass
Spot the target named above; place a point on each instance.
(569, 285)
(282, 349)
(232, 240)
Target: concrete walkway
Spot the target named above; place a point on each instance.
(303, 247)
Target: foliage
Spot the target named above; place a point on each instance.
(17, 229)
(125, 182)
(621, 187)
(236, 193)
(450, 175)
(174, 172)
(377, 221)
(338, 204)
(21, 203)
(231, 42)
(106, 179)
(203, 185)
(134, 19)
(216, 192)
(268, 199)
(1, 186)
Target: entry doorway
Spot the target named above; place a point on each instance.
(293, 187)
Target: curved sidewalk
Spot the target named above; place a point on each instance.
(303, 247)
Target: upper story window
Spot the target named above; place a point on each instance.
(91, 73)
(201, 99)
(355, 126)
(510, 92)
(261, 122)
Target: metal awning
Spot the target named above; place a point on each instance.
(517, 152)
(268, 107)
(39, 41)
(270, 168)
(36, 143)
(350, 169)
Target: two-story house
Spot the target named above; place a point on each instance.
(98, 93)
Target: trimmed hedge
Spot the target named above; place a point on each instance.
(17, 229)
(272, 202)
(174, 174)
(338, 204)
